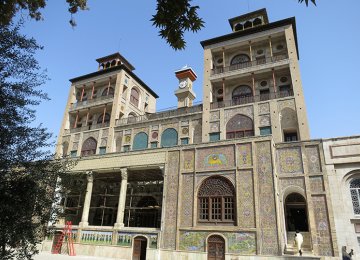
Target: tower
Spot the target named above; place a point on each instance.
(185, 93)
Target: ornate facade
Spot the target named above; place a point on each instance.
(231, 178)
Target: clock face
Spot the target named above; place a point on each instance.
(183, 84)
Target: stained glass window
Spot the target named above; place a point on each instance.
(89, 147)
(239, 126)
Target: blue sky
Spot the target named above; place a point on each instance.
(328, 36)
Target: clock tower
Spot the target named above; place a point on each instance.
(184, 92)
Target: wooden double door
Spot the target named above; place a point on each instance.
(216, 248)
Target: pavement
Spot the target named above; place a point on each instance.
(47, 256)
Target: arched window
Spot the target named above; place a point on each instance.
(257, 21)
(108, 92)
(355, 195)
(296, 213)
(106, 118)
(239, 59)
(242, 95)
(169, 138)
(89, 147)
(134, 97)
(239, 27)
(247, 25)
(140, 141)
(239, 126)
(216, 200)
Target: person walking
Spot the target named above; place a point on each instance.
(298, 239)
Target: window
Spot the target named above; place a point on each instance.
(154, 144)
(239, 126)
(126, 148)
(264, 94)
(65, 147)
(108, 92)
(134, 97)
(102, 150)
(214, 137)
(265, 130)
(216, 198)
(89, 147)
(140, 141)
(242, 95)
(355, 195)
(105, 118)
(290, 136)
(240, 61)
(169, 138)
(73, 154)
(184, 141)
(285, 91)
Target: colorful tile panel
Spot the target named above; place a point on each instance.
(313, 159)
(246, 200)
(215, 158)
(244, 153)
(290, 160)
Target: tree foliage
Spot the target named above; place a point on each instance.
(173, 18)
(28, 173)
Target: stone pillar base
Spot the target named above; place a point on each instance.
(118, 225)
(83, 224)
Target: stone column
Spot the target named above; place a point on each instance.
(122, 199)
(85, 214)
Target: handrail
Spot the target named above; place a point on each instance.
(90, 101)
(248, 64)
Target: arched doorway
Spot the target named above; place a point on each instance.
(216, 248)
(139, 248)
(296, 215)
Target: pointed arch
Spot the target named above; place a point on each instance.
(239, 126)
(89, 147)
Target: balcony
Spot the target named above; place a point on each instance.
(159, 115)
(251, 99)
(249, 64)
(91, 102)
(86, 128)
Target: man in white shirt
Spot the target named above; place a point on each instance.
(298, 241)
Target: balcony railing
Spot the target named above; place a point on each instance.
(249, 64)
(159, 115)
(251, 99)
(87, 128)
(93, 101)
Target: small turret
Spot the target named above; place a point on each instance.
(185, 93)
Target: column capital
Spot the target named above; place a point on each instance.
(89, 176)
(124, 173)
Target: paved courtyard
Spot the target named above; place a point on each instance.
(47, 256)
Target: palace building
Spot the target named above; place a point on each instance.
(230, 178)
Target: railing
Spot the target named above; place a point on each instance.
(90, 101)
(248, 64)
(251, 99)
(159, 115)
(86, 128)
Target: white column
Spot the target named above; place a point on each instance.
(85, 214)
(122, 199)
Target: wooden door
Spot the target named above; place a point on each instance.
(139, 248)
(216, 248)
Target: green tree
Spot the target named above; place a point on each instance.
(28, 173)
(173, 18)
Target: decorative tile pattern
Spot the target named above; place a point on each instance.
(313, 159)
(264, 108)
(286, 104)
(246, 199)
(197, 124)
(244, 153)
(94, 135)
(188, 160)
(215, 158)
(103, 141)
(214, 127)
(125, 239)
(290, 160)
(199, 178)
(171, 193)
(247, 111)
(126, 139)
(298, 182)
(75, 146)
(96, 237)
(267, 208)
(316, 184)
(264, 120)
(187, 200)
(214, 116)
(323, 237)
(105, 132)
(76, 137)
(238, 243)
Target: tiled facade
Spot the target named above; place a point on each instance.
(247, 145)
